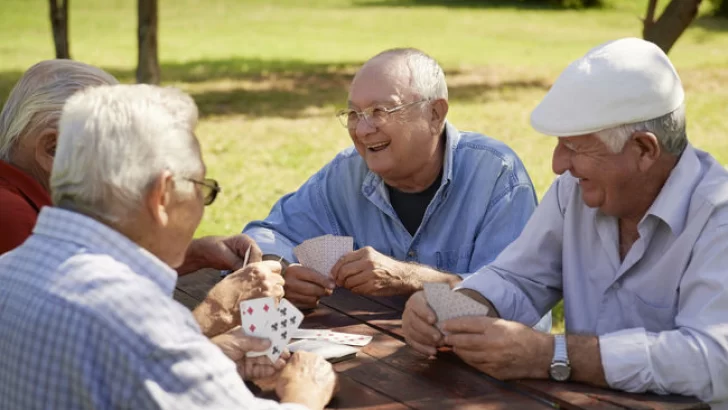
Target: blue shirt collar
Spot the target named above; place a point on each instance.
(673, 201)
(372, 181)
(99, 238)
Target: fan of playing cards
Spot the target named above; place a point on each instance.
(279, 323)
(322, 253)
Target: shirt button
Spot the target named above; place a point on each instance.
(411, 254)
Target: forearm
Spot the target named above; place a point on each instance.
(422, 274)
(586, 360)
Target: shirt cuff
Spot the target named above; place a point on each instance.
(626, 360)
(270, 243)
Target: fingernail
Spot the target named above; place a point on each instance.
(330, 285)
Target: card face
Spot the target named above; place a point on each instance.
(255, 315)
(333, 337)
(280, 329)
(328, 350)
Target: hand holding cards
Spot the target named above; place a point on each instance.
(262, 318)
(449, 304)
(322, 253)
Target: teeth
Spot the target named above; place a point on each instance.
(375, 146)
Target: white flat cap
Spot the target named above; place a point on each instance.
(620, 82)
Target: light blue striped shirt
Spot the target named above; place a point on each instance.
(661, 314)
(88, 322)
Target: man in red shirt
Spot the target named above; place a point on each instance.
(28, 132)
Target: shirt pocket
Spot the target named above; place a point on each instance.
(654, 317)
(456, 260)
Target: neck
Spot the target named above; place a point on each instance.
(425, 176)
(33, 170)
(649, 188)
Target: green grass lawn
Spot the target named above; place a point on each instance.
(268, 75)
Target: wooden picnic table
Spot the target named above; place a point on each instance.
(388, 374)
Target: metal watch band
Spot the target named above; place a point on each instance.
(560, 353)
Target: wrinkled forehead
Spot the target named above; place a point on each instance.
(381, 82)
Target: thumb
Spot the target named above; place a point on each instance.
(234, 344)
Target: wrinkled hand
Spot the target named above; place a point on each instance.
(304, 287)
(418, 325)
(220, 252)
(235, 344)
(501, 348)
(220, 310)
(368, 272)
(307, 379)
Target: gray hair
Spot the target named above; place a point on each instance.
(114, 141)
(37, 99)
(426, 75)
(669, 130)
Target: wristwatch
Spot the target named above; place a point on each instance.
(560, 369)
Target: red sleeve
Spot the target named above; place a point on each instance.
(17, 219)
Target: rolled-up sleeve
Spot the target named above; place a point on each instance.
(692, 359)
(296, 217)
(524, 281)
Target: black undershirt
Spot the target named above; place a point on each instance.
(411, 207)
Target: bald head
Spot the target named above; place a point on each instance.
(408, 71)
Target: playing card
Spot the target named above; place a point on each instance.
(322, 253)
(280, 329)
(449, 304)
(334, 337)
(328, 350)
(255, 315)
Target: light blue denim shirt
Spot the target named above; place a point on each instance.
(661, 314)
(484, 200)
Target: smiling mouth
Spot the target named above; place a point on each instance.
(377, 147)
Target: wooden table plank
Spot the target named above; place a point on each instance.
(446, 382)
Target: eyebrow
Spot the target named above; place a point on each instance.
(351, 104)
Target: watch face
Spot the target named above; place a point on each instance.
(560, 371)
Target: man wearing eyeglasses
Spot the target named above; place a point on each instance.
(423, 201)
(88, 320)
(28, 140)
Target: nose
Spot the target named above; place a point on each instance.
(363, 128)
(561, 161)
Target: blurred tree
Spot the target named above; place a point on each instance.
(59, 24)
(148, 64)
(721, 8)
(676, 17)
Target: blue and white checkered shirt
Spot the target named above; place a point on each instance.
(87, 321)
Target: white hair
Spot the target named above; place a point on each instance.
(37, 99)
(426, 76)
(114, 141)
(669, 130)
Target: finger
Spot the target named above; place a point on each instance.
(298, 287)
(238, 246)
(468, 324)
(421, 347)
(304, 274)
(363, 279)
(418, 305)
(351, 269)
(475, 357)
(349, 257)
(426, 331)
(302, 301)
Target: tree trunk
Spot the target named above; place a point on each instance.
(722, 9)
(148, 64)
(671, 24)
(59, 24)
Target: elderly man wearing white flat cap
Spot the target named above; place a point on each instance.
(633, 236)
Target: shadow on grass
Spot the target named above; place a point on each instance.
(712, 23)
(276, 88)
(481, 4)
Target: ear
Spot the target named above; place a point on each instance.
(439, 112)
(45, 148)
(159, 198)
(648, 149)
